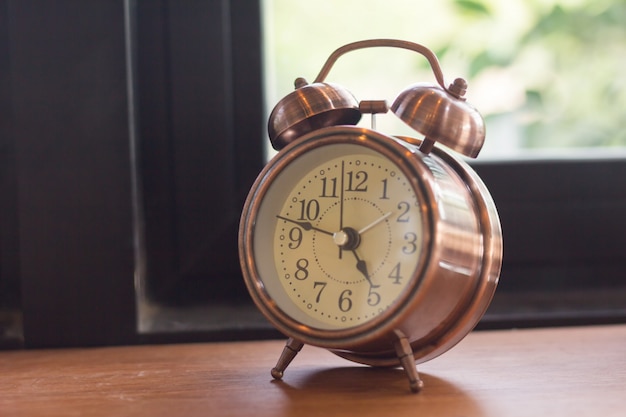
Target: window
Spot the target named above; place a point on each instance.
(545, 74)
(547, 78)
(129, 138)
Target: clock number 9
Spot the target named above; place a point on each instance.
(295, 235)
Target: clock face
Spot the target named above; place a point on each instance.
(339, 236)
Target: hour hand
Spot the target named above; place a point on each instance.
(361, 266)
(305, 225)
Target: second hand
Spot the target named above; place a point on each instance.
(341, 204)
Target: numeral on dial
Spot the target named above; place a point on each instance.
(329, 187)
(321, 286)
(384, 196)
(373, 298)
(309, 210)
(404, 208)
(295, 236)
(395, 274)
(302, 271)
(411, 246)
(356, 181)
(345, 302)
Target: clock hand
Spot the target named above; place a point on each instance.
(341, 198)
(361, 266)
(374, 223)
(305, 225)
(341, 205)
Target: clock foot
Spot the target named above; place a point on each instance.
(405, 355)
(291, 349)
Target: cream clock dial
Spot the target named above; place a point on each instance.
(347, 239)
(337, 243)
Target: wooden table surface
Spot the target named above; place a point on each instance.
(578, 371)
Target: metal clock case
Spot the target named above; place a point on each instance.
(385, 250)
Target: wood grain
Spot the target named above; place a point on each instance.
(541, 372)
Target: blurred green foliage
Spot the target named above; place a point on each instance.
(544, 73)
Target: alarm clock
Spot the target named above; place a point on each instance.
(385, 250)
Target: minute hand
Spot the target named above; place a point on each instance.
(374, 223)
(305, 225)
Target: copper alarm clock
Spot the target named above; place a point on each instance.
(385, 250)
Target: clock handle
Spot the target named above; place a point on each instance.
(407, 360)
(291, 349)
(391, 43)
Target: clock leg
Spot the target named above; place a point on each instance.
(405, 355)
(291, 349)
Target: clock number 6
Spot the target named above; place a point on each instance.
(345, 303)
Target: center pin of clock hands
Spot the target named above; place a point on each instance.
(349, 239)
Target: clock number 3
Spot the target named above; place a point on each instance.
(411, 243)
